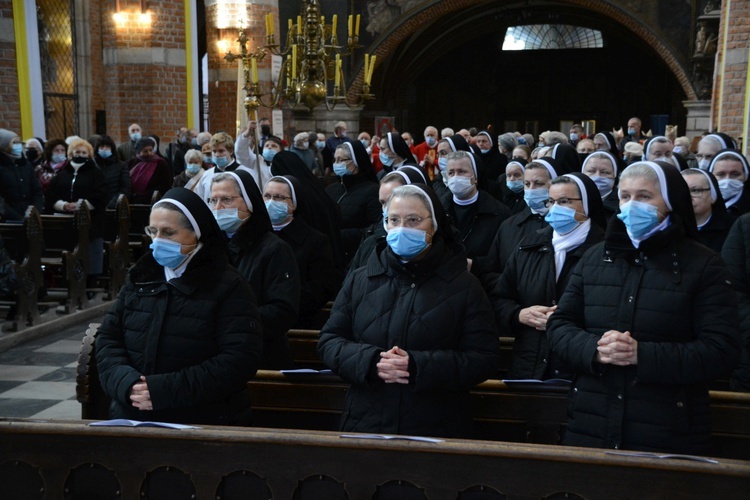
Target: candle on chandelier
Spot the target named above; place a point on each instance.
(349, 26)
(356, 30)
(294, 61)
(333, 25)
(254, 70)
(337, 69)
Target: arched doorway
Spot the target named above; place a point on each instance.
(446, 67)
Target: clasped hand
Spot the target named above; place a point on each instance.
(617, 348)
(536, 316)
(140, 395)
(393, 366)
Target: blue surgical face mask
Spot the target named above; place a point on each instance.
(562, 219)
(59, 158)
(220, 161)
(460, 186)
(268, 155)
(105, 153)
(442, 163)
(431, 141)
(278, 211)
(192, 168)
(515, 186)
(385, 159)
(340, 169)
(639, 218)
(135, 136)
(631, 131)
(485, 151)
(730, 188)
(320, 144)
(194, 141)
(16, 149)
(535, 199)
(167, 253)
(704, 164)
(573, 137)
(228, 219)
(603, 184)
(365, 143)
(407, 242)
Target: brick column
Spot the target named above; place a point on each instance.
(145, 68)
(10, 110)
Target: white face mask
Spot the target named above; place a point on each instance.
(730, 188)
(461, 187)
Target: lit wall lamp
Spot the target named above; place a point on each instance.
(122, 18)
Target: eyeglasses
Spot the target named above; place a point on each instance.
(704, 157)
(167, 233)
(410, 221)
(225, 200)
(276, 197)
(563, 202)
(698, 192)
(342, 160)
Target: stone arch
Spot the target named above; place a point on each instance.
(414, 20)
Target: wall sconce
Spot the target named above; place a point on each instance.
(122, 18)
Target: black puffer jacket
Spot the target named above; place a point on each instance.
(736, 254)
(71, 186)
(19, 187)
(357, 198)
(529, 280)
(675, 297)
(116, 178)
(436, 311)
(197, 339)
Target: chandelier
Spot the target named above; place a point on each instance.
(311, 59)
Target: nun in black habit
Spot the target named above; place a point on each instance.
(567, 157)
(445, 147)
(394, 153)
(708, 206)
(493, 162)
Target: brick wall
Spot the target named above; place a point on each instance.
(10, 111)
(734, 78)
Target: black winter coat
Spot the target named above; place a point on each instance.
(196, 338)
(529, 280)
(87, 184)
(116, 178)
(736, 254)
(437, 312)
(357, 198)
(19, 187)
(675, 297)
(478, 230)
(268, 264)
(319, 278)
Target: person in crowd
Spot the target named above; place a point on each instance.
(447, 132)
(184, 335)
(366, 140)
(376, 232)
(19, 187)
(301, 147)
(286, 201)
(493, 162)
(603, 169)
(537, 273)
(223, 160)
(506, 143)
(356, 195)
(511, 192)
(207, 158)
(648, 319)
(537, 176)
(116, 174)
(411, 331)
(551, 137)
(54, 157)
(195, 168)
(472, 210)
(426, 152)
(576, 135)
(465, 134)
(81, 181)
(634, 133)
(659, 148)
(444, 148)
(261, 257)
(605, 141)
(157, 148)
(682, 148)
(337, 139)
(202, 139)
(567, 157)
(176, 150)
(316, 146)
(33, 151)
(633, 152)
(409, 140)
(522, 152)
(149, 172)
(127, 150)
(585, 147)
(736, 255)
(325, 217)
(393, 153)
(710, 146)
(732, 171)
(711, 215)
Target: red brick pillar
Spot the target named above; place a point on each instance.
(145, 67)
(10, 110)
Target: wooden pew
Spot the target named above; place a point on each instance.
(56, 460)
(502, 412)
(24, 245)
(139, 219)
(116, 246)
(66, 250)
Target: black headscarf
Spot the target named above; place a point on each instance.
(567, 157)
(361, 158)
(552, 165)
(188, 201)
(444, 230)
(592, 199)
(301, 198)
(458, 143)
(259, 222)
(399, 147)
(481, 170)
(611, 143)
(718, 209)
(414, 174)
(726, 141)
(494, 163)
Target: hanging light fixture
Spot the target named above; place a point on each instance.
(312, 59)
